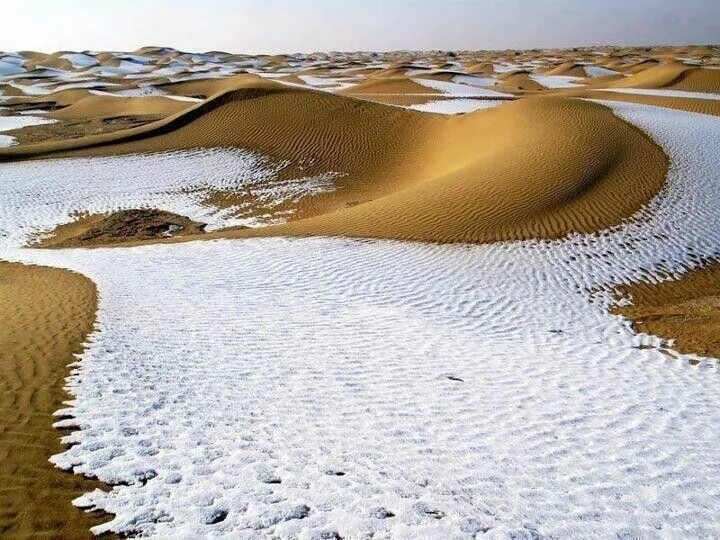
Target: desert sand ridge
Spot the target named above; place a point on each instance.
(541, 167)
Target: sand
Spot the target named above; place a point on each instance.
(45, 315)
(122, 226)
(674, 75)
(541, 167)
(686, 310)
(113, 107)
(389, 85)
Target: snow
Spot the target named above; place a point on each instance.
(475, 80)
(304, 387)
(84, 84)
(556, 81)
(10, 68)
(54, 191)
(134, 59)
(661, 93)
(506, 68)
(145, 91)
(455, 106)
(598, 71)
(9, 123)
(165, 71)
(7, 141)
(79, 60)
(124, 68)
(328, 83)
(459, 90)
(31, 112)
(30, 90)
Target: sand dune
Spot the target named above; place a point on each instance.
(482, 68)
(45, 315)
(684, 310)
(487, 329)
(111, 106)
(541, 167)
(517, 81)
(674, 75)
(570, 69)
(208, 87)
(389, 85)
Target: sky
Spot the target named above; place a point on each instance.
(275, 26)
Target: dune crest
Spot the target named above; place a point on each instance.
(537, 168)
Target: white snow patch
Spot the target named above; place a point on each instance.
(6, 141)
(79, 60)
(557, 81)
(30, 90)
(10, 68)
(455, 106)
(661, 92)
(333, 83)
(9, 123)
(459, 90)
(84, 84)
(598, 71)
(52, 192)
(145, 91)
(475, 80)
(506, 68)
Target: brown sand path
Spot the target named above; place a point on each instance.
(45, 315)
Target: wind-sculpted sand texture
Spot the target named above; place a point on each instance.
(114, 106)
(675, 75)
(45, 316)
(539, 168)
(685, 310)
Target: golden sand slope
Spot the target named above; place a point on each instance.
(686, 310)
(537, 167)
(45, 315)
(204, 88)
(482, 68)
(111, 106)
(534, 168)
(389, 85)
(446, 76)
(673, 75)
(517, 81)
(699, 80)
(701, 106)
(568, 69)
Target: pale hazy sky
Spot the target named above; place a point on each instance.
(321, 25)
